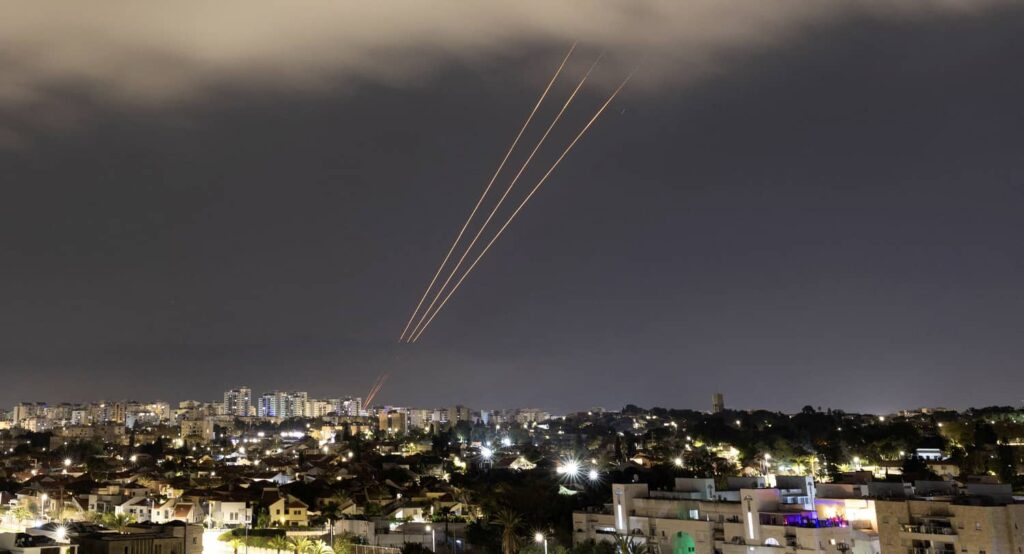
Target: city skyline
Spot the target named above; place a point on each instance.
(810, 206)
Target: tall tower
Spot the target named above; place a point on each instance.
(717, 403)
(237, 402)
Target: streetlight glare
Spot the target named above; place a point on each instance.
(538, 537)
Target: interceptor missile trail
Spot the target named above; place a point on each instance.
(501, 200)
(379, 384)
(604, 106)
(472, 213)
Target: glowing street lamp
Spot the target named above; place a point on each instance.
(570, 469)
(486, 453)
(67, 462)
(539, 538)
(593, 475)
(433, 538)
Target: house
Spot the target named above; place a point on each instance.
(288, 511)
(229, 513)
(177, 509)
(139, 508)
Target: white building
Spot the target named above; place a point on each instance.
(238, 402)
(697, 518)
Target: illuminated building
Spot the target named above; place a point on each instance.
(238, 402)
(697, 518)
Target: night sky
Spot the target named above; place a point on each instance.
(791, 208)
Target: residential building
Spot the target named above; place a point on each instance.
(197, 429)
(288, 511)
(697, 518)
(229, 513)
(171, 538)
(393, 422)
(238, 402)
(985, 520)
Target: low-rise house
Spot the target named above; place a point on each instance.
(229, 513)
(139, 508)
(177, 509)
(288, 511)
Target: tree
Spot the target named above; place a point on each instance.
(319, 547)
(626, 544)
(118, 522)
(262, 518)
(333, 506)
(510, 522)
(21, 513)
(279, 543)
(299, 544)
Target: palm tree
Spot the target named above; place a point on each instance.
(319, 547)
(331, 510)
(236, 543)
(279, 543)
(117, 522)
(626, 544)
(299, 544)
(510, 521)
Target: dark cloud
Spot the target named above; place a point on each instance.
(828, 217)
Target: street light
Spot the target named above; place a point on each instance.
(540, 538)
(433, 538)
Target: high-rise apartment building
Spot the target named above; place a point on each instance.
(284, 405)
(238, 402)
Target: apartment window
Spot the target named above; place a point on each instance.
(977, 527)
(277, 512)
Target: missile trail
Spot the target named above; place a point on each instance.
(521, 205)
(472, 213)
(501, 200)
(378, 385)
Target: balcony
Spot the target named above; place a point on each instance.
(932, 550)
(928, 529)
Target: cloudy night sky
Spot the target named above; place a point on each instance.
(800, 203)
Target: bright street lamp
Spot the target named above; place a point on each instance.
(540, 538)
